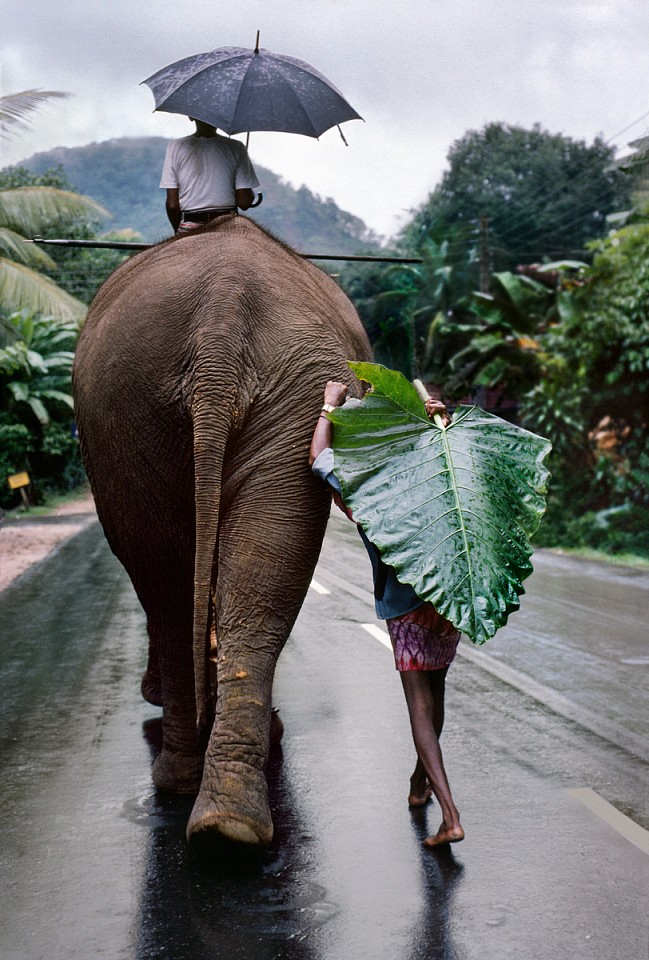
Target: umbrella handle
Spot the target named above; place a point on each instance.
(257, 202)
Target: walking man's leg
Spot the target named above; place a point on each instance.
(420, 789)
(425, 699)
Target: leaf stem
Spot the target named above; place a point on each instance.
(423, 393)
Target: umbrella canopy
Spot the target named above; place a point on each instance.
(239, 90)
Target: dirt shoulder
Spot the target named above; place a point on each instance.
(26, 539)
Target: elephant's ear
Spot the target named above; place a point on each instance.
(451, 509)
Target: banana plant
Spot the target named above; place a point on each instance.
(499, 336)
(451, 509)
(36, 364)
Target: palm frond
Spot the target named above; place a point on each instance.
(21, 287)
(15, 247)
(15, 106)
(59, 396)
(28, 209)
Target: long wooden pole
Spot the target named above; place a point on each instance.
(126, 245)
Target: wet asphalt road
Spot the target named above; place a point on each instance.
(542, 725)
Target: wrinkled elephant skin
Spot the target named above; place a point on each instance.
(198, 380)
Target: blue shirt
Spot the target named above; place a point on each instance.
(391, 597)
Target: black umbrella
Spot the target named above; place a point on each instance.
(239, 90)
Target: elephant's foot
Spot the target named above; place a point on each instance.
(151, 688)
(177, 773)
(232, 804)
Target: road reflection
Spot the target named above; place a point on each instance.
(441, 874)
(229, 906)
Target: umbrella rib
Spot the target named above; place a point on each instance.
(287, 93)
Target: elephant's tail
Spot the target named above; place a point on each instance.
(210, 436)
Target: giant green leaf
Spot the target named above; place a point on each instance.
(451, 509)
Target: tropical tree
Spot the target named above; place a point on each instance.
(515, 196)
(77, 270)
(26, 211)
(382, 302)
(427, 299)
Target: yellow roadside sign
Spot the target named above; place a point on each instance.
(17, 480)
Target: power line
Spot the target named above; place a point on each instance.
(585, 177)
(577, 188)
(628, 127)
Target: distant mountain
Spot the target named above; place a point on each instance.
(123, 175)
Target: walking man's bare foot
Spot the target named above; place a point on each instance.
(420, 792)
(445, 834)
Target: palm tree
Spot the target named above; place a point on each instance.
(25, 212)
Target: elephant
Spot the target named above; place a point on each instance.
(197, 383)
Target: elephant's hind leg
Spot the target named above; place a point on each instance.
(162, 576)
(266, 557)
(179, 767)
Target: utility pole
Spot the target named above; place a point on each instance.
(485, 255)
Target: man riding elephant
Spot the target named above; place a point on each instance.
(198, 375)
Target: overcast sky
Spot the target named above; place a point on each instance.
(420, 72)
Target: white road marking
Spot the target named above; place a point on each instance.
(623, 825)
(381, 635)
(555, 701)
(318, 587)
(607, 729)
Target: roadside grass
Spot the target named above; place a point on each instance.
(588, 553)
(52, 502)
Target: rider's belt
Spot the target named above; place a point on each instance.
(204, 216)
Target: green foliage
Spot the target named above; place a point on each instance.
(555, 408)
(609, 336)
(450, 509)
(382, 304)
(57, 463)
(592, 400)
(35, 401)
(544, 196)
(612, 530)
(36, 366)
(16, 445)
(497, 338)
(403, 309)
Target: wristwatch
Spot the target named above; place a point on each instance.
(328, 407)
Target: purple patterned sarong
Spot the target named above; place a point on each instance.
(423, 639)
